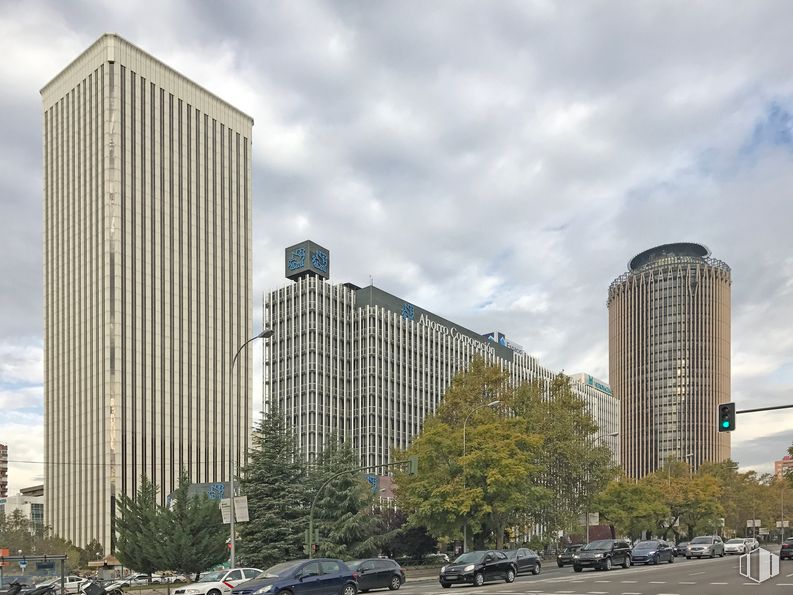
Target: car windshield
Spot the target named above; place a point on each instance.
(735, 541)
(469, 558)
(702, 540)
(600, 544)
(282, 569)
(355, 564)
(572, 549)
(211, 577)
(511, 553)
(646, 545)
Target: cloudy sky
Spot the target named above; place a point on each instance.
(497, 163)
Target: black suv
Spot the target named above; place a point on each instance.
(603, 554)
(786, 551)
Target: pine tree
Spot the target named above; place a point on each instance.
(194, 537)
(139, 526)
(343, 512)
(275, 483)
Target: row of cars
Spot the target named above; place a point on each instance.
(603, 554)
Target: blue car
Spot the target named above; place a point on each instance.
(320, 576)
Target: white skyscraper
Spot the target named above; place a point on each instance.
(147, 282)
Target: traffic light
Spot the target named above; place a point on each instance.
(726, 417)
(413, 465)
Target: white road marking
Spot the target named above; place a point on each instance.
(629, 582)
(686, 583)
(695, 573)
(719, 583)
(657, 582)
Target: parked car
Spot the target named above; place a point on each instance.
(786, 550)
(680, 548)
(320, 576)
(566, 555)
(71, 584)
(736, 546)
(117, 587)
(705, 545)
(652, 552)
(378, 573)
(525, 560)
(218, 582)
(751, 543)
(603, 554)
(476, 568)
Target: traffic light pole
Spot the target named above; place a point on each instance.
(727, 413)
(764, 409)
(412, 463)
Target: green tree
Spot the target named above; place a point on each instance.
(343, 512)
(494, 483)
(92, 551)
(633, 507)
(275, 482)
(139, 526)
(194, 537)
(572, 468)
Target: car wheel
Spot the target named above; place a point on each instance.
(510, 578)
(607, 564)
(560, 565)
(395, 583)
(479, 579)
(628, 561)
(537, 569)
(688, 557)
(213, 592)
(284, 592)
(445, 585)
(671, 559)
(655, 560)
(349, 589)
(577, 569)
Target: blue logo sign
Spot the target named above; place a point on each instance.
(373, 481)
(408, 312)
(297, 260)
(320, 261)
(216, 491)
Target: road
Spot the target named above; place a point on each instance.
(684, 577)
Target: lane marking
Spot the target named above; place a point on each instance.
(719, 583)
(629, 582)
(658, 583)
(695, 573)
(686, 583)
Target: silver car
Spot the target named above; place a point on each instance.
(705, 546)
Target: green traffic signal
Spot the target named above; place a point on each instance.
(726, 417)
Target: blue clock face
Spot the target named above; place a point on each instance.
(320, 261)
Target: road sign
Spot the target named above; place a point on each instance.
(753, 523)
(780, 524)
(762, 531)
(240, 509)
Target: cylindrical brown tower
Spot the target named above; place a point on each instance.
(669, 356)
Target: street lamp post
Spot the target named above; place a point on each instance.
(265, 334)
(467, 417)
(586, 521)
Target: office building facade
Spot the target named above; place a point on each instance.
(369, 366)
(3, 470)
(669, 356)
(147, 283)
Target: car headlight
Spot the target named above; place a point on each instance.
(266, 589)
(468, 568)
(575, 556)
(443, 569)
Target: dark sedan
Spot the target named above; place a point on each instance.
(786, 551)
(566, 555)
(475, 568)
(652, 552)
(680, 548)
(378, 573)
(325, 576)
(525, 560)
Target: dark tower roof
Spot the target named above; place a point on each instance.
(666, 250)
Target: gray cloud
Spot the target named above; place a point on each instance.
(495, 163)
